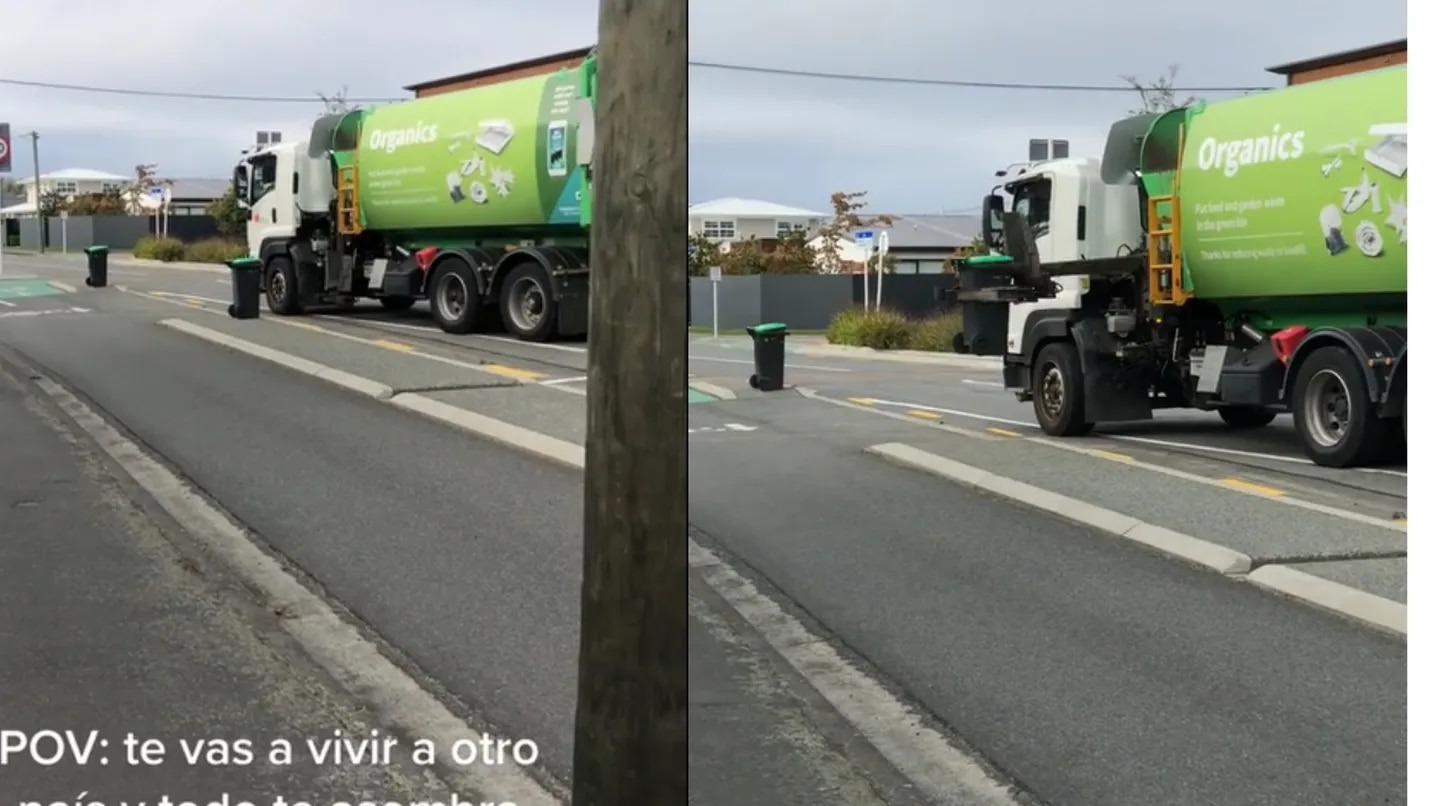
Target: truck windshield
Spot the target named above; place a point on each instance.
(1032, 203)
(262, 176)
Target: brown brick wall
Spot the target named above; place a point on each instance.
(1336, 70)
(495, 78)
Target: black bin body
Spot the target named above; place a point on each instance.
(245, 288)
(769, 356)
(97, 259)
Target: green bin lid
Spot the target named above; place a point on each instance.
(91, 250)
(769, 327)
(982, 260)
(244, 263)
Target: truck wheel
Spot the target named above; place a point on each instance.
(1059, 391)
(527, 303)
(455, 297)
(1336, 420)
(397, 304)
(282, 287)
(1247, 416)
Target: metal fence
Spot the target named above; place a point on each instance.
(119, 232)
(806, 301)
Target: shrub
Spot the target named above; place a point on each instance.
(888, 330)
(166, 249)
(880, 329)
(936, 333)
(214, 250)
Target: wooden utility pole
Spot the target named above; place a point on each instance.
(630, 720)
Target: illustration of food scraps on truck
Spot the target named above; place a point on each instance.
(492, 136)
(1388, 154)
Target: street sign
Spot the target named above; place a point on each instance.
(864, 237)
(715, 274)
(5, 149)
(157, 195)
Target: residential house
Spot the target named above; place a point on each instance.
(69, 182)
(918, 244)
(728, 220)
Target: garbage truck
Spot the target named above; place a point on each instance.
(1245, 257)
(477, 201)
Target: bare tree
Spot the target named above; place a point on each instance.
(337, 103)
(848, 218)
(1157, 95)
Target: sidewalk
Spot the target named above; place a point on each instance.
(753, 738)
(109, 627)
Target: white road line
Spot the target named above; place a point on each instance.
(7, 303)
(569, 348)
(788, 364)
(992, 384)
(1165, 443)
(355, 663)
(190, 296)
(562, 381)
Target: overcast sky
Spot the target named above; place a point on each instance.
(240, 47)
(781, 139)
(927, 149)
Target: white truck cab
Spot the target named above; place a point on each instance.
(281, 185)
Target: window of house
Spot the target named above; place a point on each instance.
(67, 188)
(110, 187)
(717, 229)
(785, 229)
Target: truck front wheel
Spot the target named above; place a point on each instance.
(527, 303)
(1247, 416)
(1059, 391)
(455, 297)
(282, 287)
(1338, 423)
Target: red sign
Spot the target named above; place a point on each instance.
(4, 148)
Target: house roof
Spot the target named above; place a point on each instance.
(749, 208)
(206, 189)
(74, 175)
(563, 56)
(929, 231)
(1343, 57)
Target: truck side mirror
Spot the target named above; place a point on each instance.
(992, 226)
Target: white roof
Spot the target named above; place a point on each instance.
(749, 208)
(74, 175)
(18, 209)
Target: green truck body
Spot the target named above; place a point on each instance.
(498, 160)
(1294, 202)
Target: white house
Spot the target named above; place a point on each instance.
(919, 244)
(725, 220)
(69, 182)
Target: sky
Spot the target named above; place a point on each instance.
(789, 140)
(928, 149)
(240, 47)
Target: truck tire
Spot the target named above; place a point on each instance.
(397, 304)
(1247, 416)
(1338, 424)
(455, 301)
(282, 287)
(527, 303)
(1059, 391)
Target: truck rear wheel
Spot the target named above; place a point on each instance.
(282, 287)
(527, 303)
(1247, 416)
(1338, 423)
(1059, 391)
(455, 297)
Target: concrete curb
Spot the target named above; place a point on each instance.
(1182, 547)
(900, 356)
(713, 390)
(1377, 611)
(544, 446)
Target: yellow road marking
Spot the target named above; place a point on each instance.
(397, 346)
(194, 303)
(926, 415)
(1112, 456)
(863, 401)
(513, 373)
(1258, 489)
(301, 325)
(1002, 432)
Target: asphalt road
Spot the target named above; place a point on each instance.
(462, 554)
(1092, 671)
